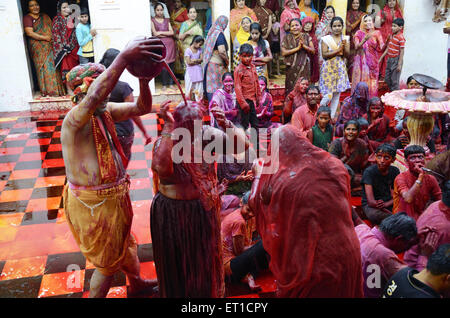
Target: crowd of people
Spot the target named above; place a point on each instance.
(218, 224)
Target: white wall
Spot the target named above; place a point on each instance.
(117, 22)
(426, 44)
(15, 83)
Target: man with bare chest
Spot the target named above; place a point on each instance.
(96, 198)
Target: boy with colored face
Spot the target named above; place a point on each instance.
(248, 93)
(378, 184)
(413, 188)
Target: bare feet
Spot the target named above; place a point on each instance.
(143, 288)
(251, 283)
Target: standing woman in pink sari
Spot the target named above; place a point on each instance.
(384, 19)
(291, 11)
(368, 45)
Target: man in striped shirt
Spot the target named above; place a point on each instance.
(394, 51)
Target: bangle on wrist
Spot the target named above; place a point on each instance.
(418, 182)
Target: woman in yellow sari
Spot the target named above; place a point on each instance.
(307, 7)
(177, 17)
(242, 36)
(189, 29)
(240, 11)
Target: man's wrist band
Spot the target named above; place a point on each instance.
(165, 134)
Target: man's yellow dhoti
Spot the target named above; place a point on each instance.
(100, 220)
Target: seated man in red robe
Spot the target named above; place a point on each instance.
(413, 189)
(303, 215)
(96, 198)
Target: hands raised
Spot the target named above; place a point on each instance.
(143, 47)
(164, 112)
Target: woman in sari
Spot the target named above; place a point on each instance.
(354, 17)
(295, 49)
(265, 111)
(384, 19)
(290, 12)
(308, 27)
(189, 29)
(225, 98)
(323, 28)
(353, 107)
(264, 16)
(368, 45)
(242, 37)
(215, 57)
(65, 43)
(307, 7)
(178, 16)
(239, 11)
(378, 130)
(38, 28)
(295, 99)
(333, 73)
(352, 151)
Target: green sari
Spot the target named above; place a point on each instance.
(196, 27)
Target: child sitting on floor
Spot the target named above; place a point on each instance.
(378, 185)
(321, 135)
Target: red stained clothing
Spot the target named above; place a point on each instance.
(429, 189)
(304, 118)
(246, 85)
(395, 44)
(436, 216)
(232, 225)
(374, 251)
(303, 215)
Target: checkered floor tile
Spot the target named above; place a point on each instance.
(38, 255)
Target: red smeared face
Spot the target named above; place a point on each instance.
(376, 110)
(303, 86)
(383, 160)
(351, 132)
(416, 162)
(262, 85)
(323, 119)
(228, 84)
(246, 58)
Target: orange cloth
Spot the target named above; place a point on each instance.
(103, 231)
(304, 118)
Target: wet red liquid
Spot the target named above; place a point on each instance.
(175, 80)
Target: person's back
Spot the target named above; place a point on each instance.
(404, 285)
(431, 282)
(305, 224)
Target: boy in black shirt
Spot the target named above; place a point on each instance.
(378, 183)
(429, 283)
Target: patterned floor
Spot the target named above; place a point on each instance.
(38, 255)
